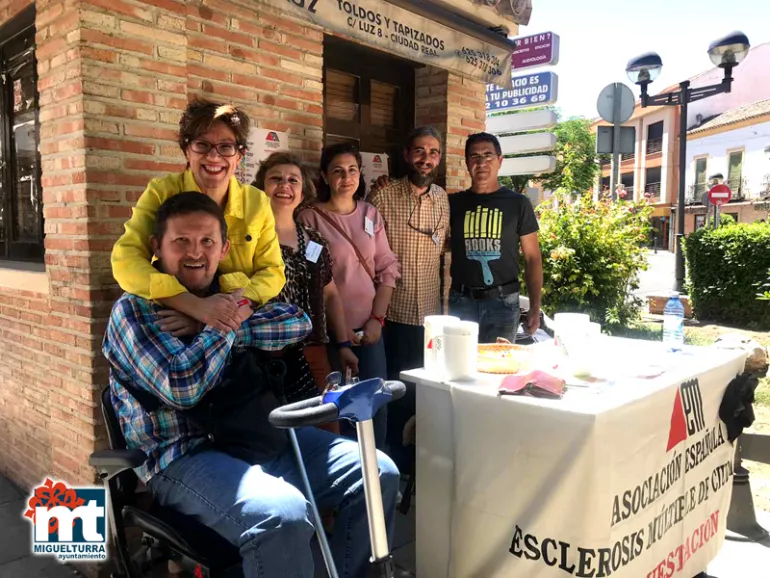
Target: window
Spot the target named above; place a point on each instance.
(655, 138)
(369, 99)
(735, 172)
(652, 182)
(21, 206)
(700, 175)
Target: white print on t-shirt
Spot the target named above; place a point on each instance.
(369, 226)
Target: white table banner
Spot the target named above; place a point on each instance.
(540, 489)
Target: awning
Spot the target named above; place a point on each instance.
(416, 30)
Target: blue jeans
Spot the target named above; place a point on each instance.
(496, 316)
(371, 363)
(262, 510)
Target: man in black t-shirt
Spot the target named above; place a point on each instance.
(488, 224)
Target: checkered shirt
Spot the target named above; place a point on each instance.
(410, 222)
(179, 373)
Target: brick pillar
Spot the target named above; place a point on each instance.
(455, 106)
(72, 338)
(466, 114)
(268, 63)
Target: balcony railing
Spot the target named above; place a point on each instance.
(764, 192)
(739, 188)
(626, 157)
(653, 190)
(694, 194)
(654, 145)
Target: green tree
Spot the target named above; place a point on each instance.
(575, 158)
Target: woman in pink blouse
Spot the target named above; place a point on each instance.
(365, 270)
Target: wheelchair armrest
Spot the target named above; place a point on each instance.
(113, 462)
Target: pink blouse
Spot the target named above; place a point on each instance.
(353, 282)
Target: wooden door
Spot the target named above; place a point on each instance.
(368, 99)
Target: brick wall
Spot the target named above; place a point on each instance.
(455, 106)
(747, 212)
(10, 8)
(114, 76)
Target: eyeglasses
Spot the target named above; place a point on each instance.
(485, 158)
(434, 230)
(224, 149)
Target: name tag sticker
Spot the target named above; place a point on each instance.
(369, 226)
(313, 251)
(435, 238)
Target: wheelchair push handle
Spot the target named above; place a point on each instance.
(304, 413)
(317, 410)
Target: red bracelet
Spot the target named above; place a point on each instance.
(380, 319)
(243, 302)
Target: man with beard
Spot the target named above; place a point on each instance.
(416, 215)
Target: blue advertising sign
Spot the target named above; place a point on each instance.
(536, 89)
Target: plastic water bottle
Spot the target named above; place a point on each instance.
(673, 323)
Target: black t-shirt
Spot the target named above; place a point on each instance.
(485, 231)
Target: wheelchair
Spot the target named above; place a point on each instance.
(165, 534)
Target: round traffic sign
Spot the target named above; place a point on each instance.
(605, 105)
(720, 194)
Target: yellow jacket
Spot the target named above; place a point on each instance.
(254, 261)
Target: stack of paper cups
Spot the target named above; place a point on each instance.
(460, 345)
(434, 326)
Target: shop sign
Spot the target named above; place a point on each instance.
(407, 34)
(261, 144)
(535, 50)
(528, 90)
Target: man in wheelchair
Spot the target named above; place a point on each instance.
(164, 391)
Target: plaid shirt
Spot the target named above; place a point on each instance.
(178, 373)
(411, 223)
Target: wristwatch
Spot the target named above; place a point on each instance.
(344, 344)
(380, 319)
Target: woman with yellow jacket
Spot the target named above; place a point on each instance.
(213, 138)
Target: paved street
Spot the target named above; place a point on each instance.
(15, 558)
(659, 278)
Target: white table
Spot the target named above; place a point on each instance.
(525, 487)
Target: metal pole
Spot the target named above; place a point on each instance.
(684, 96)
(378, 534)
(323, 543)
(615, 173)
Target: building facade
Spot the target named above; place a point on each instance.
(734, 147)
(92, 93)
(652, 170)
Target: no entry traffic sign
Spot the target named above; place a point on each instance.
(720, 194)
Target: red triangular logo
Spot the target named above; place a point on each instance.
(678, 431)
(430, 344)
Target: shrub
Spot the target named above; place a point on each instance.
(592, 254)
(727, 267)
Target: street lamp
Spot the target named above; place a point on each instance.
(726, 53)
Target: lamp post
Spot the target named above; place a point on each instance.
(726, 53)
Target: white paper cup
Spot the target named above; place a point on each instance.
(434, 325)
(458, 349)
